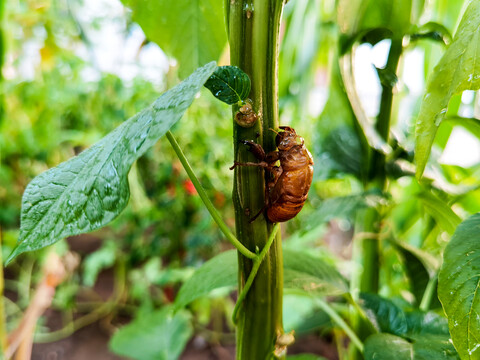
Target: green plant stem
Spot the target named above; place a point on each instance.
(254, 39)
(428, 294)
(378, 172)
(256, 265)
(366, 250)
(208, 204)
(369, 220)
(340, 322)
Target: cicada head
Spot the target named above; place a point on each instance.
(286, 139)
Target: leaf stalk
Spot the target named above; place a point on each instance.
(208, 204)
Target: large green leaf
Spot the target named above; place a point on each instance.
(396, 16)
(386, 346)
(457, 70)
(91, 189)
(160, 335)
(302, 272)
(458, 284)
(193, 32)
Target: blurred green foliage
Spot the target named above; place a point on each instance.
(57, 101)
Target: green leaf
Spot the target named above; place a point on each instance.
(386, 346)
(311, 274)
(301, 314)
(218, 272)
(344, 151)
(193, 32)
(434, 347)
(444, 216)
(433, 31)
(91, 189)
(335, 207)
(470, 124)
(229, 84)
(97, 261)
(154, 336)
(305, 357)
(396, 16)
(458, 284)
(384, 314)
(302, 271)
(341, 207)
(457, 70)
(426, 323)
(420, 267)
(389, 318)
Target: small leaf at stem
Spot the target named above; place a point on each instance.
(457, 70)
(229, 84)
(88, 191)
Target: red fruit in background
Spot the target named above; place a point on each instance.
(189, 187)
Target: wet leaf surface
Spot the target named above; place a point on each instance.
(91, 189)
(457, 70)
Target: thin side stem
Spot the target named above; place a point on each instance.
(341, 323)
(428, 294)
(256, 265)
(208, 204)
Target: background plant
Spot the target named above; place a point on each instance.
(400, 225)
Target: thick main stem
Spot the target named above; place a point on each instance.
(254, 34)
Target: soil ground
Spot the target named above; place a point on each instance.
(91, 342)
